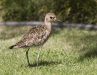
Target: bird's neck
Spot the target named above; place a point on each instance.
(48, 25)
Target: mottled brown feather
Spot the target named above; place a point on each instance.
(37, 35)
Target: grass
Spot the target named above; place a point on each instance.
(69, 51)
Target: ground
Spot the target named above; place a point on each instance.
(69, 51)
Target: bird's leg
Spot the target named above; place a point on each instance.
(27, 57)
(38, 56)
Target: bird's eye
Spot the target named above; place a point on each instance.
(51, 17)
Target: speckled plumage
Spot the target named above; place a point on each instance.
(37, 35)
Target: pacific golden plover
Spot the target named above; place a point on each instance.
(36, 36)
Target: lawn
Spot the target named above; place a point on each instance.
(69, 51)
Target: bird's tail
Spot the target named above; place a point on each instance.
(11, 47)
(18, 45)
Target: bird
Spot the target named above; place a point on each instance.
(36, 36)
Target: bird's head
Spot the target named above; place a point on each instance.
(50, 17)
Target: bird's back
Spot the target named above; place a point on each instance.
(37, 35)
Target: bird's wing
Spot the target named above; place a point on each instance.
(35, 36)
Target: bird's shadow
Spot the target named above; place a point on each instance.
(89, 54)
(43, 63)
(89, 51)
